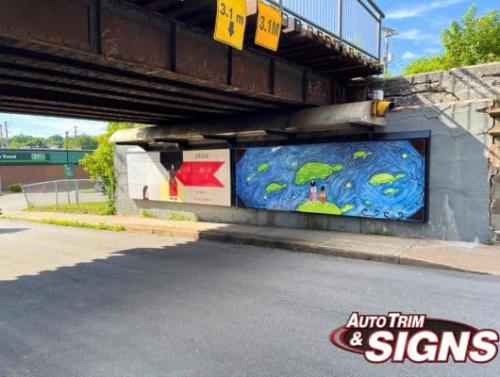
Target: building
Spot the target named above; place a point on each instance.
(38, 165)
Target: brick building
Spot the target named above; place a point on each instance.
(37, 165)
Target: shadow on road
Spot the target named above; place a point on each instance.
(200, 308)
(12, 230)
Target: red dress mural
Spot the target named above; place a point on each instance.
(172, 183)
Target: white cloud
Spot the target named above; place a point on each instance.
(419, 10)
(415, 35)
(408, 55)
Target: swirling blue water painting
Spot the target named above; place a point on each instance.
(373, 179)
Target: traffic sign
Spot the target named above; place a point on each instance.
(230, 22)
(69, 171)
(269, 20)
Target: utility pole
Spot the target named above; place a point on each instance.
(6, 135)
(388, 33)
(67, 146)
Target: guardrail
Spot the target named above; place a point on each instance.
(357, 23)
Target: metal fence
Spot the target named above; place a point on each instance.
(357, 23)
(68, 191)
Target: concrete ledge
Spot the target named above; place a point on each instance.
(458, 256)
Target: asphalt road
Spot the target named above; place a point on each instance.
(13, 202)
(76, 302)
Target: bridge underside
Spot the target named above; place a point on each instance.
(110, 60)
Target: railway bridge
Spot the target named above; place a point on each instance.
(157, 62)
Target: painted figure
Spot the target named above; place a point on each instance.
(314, 192)
(172, 183)
(322, 195)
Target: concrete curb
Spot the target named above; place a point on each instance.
(291, 245)
(298, 246)
(239, 237)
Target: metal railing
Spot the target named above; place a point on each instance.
(357, 23)
(68, 191)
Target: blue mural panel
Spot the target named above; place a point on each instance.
(374, 179)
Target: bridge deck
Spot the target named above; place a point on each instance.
(109, 59)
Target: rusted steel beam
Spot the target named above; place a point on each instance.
(10, 66)
(156, 5)
(71, 84)
(108, 54)
(15, 105)
(131, 103)
(127, 74)
(18, 90)
(94, 27)
(52, 112)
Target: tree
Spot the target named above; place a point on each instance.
(87, 142)
(100, 163)
(469, 41)
(55, 141)
(82, 141)
(27, 141)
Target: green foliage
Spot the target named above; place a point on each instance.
(80, 224)
(27, 141)
(91, 208)
(469, 41)
(430, 64)
(16, 187)
(55, 141)
(72, 223)
(378, 232)
(82, 141)
(148, 214)
(99, 164)
(181, 216)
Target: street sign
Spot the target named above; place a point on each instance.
(269, 21)
(230, 22)
(69, 171)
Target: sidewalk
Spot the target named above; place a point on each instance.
(406, 251)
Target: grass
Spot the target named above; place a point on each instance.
(70, 223)
(181, 216)
(15, 188)
(148, 214)
(91, 208)
(171, 216)
(378, 232)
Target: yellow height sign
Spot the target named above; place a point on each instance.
(268, 26)
(230, 22)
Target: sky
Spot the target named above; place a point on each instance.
(47, 126)
(419, 23)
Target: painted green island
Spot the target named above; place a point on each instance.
(390, 191)
(361, 154)
(384, 178)
(316, 170)
(275, 187)
(324, 208)
(263, 167)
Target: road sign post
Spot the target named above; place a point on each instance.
(230, 22)
(269, 21)
(69, 171)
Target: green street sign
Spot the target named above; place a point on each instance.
(69, 171)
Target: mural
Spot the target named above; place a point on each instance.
(373, 179)
(199, 177)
